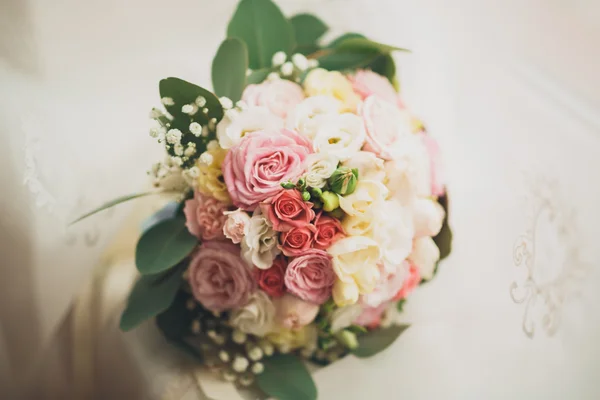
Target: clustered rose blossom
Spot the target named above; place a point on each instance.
(329, 231)
(288, 210)
(205, 217)
(297, 240)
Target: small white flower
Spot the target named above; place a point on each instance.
(305, 117)
(167, 101)
(240, 364)
(205, 131)
(154, 132)
(226, 102)
(267, 347)
(212, 145)
(224, 356)
(287, 69)
(200, 101)
(320, 167)
(196, 129)
(340, 135)
(173, 136)
(248, 72)
(300, 61)
(206, 158)
(241, 104)
(278, 58)
(238, 336)
(178, 148)
(259, 247)
(258, 368)
(313, 63)
(190, 150)
(273, 76)
(189, 109)
(236, 125)
(156, 113)
(255, 353)
(177, 161)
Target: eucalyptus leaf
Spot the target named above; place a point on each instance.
(264, 29)
(176, 320)
(384, 65)
(164, 245)
(258, 75)
(151, 295)
(346, 60)
(308, 29)
(182, 93)
(363, 44)
(113, 203)
(286, 378)
(229, 69)
(377, 340)
(351, 35)
(443, 239)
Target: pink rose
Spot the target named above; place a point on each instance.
(411, 282)
(236, 225)
(329, 231)
(219, 278)
(288, 210)
(297, 240)
(371, 316)
(437, 174)
(205, 217)
(254, 169)
(368, 83)
(279, 96)
(294, 313)
(391, 281)
(385, 124)
(271, 280)
(311, 276)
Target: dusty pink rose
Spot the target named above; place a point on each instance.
(329, 231)
(391, 281)
(236, 225)
(219, 278)
(385, 124)
(311, 276)
(437, 174)
(294, 313)
(368, 83)
(410, 283)
(279, 96)
(297, 240)
(271, 280)
(204, 217)
(287, 210)
(254, 169)
(371, 316)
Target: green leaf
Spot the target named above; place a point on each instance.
(113, 203)
(183, 93)
(363, 44)
(443, 240)
(335, 42)
(377, 340)
(264, 29)
(176, 320)
(384, 65)
(229, 69)
(308, 29)
(258, 76)
(151, 295)
(163, 246)
(400, 305)
(344, 60)
(287, 378)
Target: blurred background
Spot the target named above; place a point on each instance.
(510, 89)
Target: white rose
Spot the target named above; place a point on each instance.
(366, 194)
(320, 167)
(425, 256)
(304, 118)
(428, 217)
(259, 247)
(235, 124)
(343, 317)
(370, 167)
(256, 317)
(340, 135)
(393, 231)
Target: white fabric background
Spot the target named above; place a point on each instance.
(510, 89)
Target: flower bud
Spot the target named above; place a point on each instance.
(330, 201)
(316, 192)
(343, 181)
(348, 339)
(337, 213)
(288, 185)
(306, 196)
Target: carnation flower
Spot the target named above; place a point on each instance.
(210, 177)
(331, 83)
(287, 210)
(271, 280)
(341, 135)
(294, 313)
(368, 83)
(236, 225)
(259, 247)
(296, 241)
(255, 317)
(424, 256)
(236, 124)
(279, 96)
(305, 117)
(310, 276)
(329, 231)
(220, 280)
(205, 217)
(320, 167)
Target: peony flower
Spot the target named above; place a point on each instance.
(204, 217)
(385, 124)
(367, 194)
(371, 316)
(369, 166)
(294, 313)
(291, 339)
(329, 231)
(287, 210)
(425, 256)
(237, 124)
(254, 169)
(320, 167)
(305, 117)
(428, 217)
(391, 281)
(255, 317)
(341, 136)
(279, 96)
(220, 280)
(271, 280)
(368, 83)
(393, 231)
(331, 83)
(259, 247)
(296, 241)
(437, 172)
(343, 317)
(310, 276)
(210, 177)
(236, 225)
(410, 283)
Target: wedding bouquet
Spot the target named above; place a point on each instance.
(311, 204)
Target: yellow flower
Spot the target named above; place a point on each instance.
(210, 180)
(320, 82)
(289, 339)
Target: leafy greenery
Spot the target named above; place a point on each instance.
(345, 60)
(443, 240)
(182, 93)
(264, 29)
(351, 35)
(151, 295)
(112, 203)
(308, 29)
(229, 69)
(364, 44)
(384, 65)
(258, 76)
(377, 340)
(286, 378)
(163, 245)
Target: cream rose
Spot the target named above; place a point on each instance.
(305, 117)
(331, 83)
(256, 317)
(369, 166)
(320, 167)
(259, 247)
(366, 194)
(341, 135)
(236, 124)
(425, 256)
